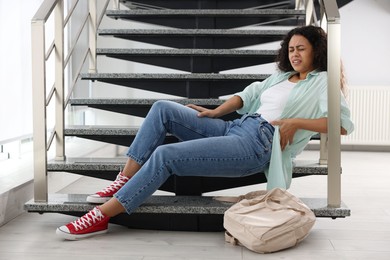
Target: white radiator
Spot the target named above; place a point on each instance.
(370, 109)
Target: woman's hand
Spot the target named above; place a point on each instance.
(225, 108)
(203, 112)
(287, 129)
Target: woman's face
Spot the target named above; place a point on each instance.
(301, 55)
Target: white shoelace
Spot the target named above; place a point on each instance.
(117, 184)
(88, 219)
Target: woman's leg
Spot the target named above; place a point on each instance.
(228, 156)
(167, 117)
(238, 154)
(164, 117)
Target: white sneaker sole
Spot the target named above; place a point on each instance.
(68, 236)
(97, 199)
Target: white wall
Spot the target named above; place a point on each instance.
(365, 52)
(366, 42)
(15, 67)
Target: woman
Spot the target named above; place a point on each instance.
(280, 115)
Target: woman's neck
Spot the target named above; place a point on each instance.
(297, 77)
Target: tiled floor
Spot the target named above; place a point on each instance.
(364, 235)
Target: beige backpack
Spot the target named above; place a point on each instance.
(268, 221)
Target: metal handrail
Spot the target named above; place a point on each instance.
(330, 11)
(67, 18)
(77, 39)
(331, 142)
(40, 101)
(74, 81)
(44, 11)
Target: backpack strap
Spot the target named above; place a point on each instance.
(231, 239)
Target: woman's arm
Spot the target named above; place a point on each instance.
(288, 127)
(232, 104)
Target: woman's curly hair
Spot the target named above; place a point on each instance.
(317, 38)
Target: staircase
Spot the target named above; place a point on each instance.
(205, 38)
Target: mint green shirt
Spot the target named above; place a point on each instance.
(308, 99)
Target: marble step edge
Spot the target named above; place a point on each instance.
(158, 204)
(174, 76)
(75, 130)
(192, 32)
(85, 130)
(206, 12)
(186, 52)
(144, 102)
(141, 4)
(301, 167)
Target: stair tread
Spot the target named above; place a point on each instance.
(148, 102)
(301, 167)
(205, 12)
(184, 52)
(193, 32)
(158, 204)
(191, 4)
(173, 76)
(101, 130)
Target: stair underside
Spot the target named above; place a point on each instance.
(200, 213)
(206, 4)
(140, 107)
(211, 18)
(194, 85)
(197, 38)
(194, 60)
(229, 13)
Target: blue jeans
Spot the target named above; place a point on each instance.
(209, 147)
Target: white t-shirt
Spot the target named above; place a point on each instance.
(274, 99)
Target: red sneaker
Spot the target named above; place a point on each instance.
(107, 193)
(92, 223)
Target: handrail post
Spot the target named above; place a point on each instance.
(39, 110)
(309, 7)
(334, 150)
(334, 96)
(59, 80)
(115, 4)
(92, 27)
(323, 149)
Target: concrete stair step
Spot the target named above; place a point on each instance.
(119, 135)
(206, 12)
(191, 213)
(197, 38)
(140, 107)
(301, 167)
(108, 168)
(190, 85)
(207, 4)
(211, 18)
(193, 60)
